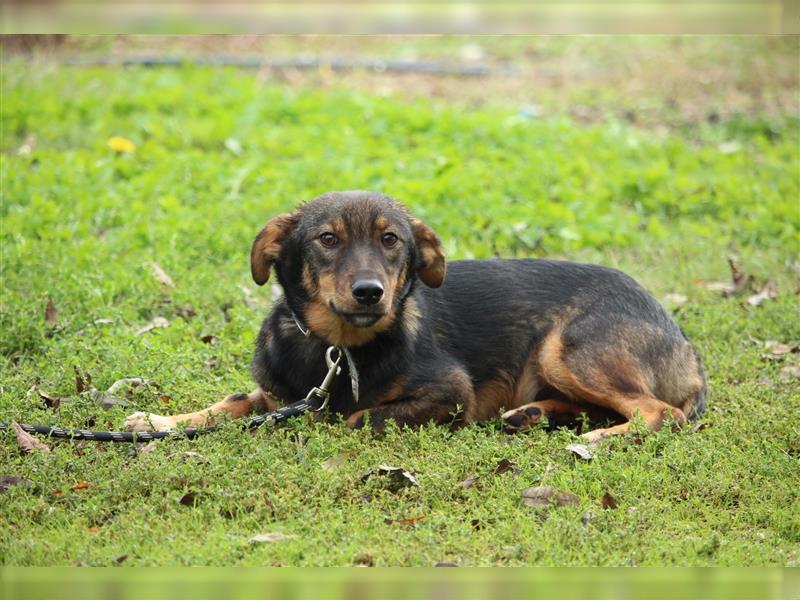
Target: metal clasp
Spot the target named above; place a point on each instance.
(333, 370)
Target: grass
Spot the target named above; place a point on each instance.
(218, 152)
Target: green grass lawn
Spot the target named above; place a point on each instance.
(216, 154)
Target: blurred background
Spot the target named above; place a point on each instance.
(646, 80)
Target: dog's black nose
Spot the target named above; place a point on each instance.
(367, 291)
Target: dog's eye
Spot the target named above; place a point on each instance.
(328, 239)
(389, 239)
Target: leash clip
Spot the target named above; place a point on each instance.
(333, 370)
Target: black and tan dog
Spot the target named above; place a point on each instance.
(524, 338)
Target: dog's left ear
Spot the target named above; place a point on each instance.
(431, 265)
(267, 245)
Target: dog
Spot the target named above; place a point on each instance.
(522, 339)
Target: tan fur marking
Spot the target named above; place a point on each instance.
(339, 227)
(309, 283)
(335, 330)
(381, 223)
(234, 408)
(603, 393)
(411, 318)
(267, 245)
(491, 398)
(433, 267)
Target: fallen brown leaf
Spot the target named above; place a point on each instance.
(469, 481)
(404, 522)
(27, 442)
(50, 401)
(160, 274)
(608, 501)
(83, 380)
(397, 477)
(791, 371)
(148, 447)
(580, 450)
(270, 537)
(701, 426)
(209, 339)
(776, 350)
(120, 559)
(154, 324)
(504, 466)
(544, 495)
(739, 281)
(185, 312)
(768, 292)
(726, 288)
(51, 312)
(676, 300)
(81, 485)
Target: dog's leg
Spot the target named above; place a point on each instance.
(439, 401)
(653, 412)
(235, 405)
(619, 383)
(527, 415)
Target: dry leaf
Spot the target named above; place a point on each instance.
(148, 447)
(397, 477)
(676, 300)
(700, 427)
(503, 466)
(768, 292)
(185, 312)
(120, 144)
(160, 274)
(120, 559)
(791, 371)
(83, 380)
(209, 339)
(50, 401)
(726, 288)
(155, 323)
(27, 442)
(776, 350)
(608, 501)
(580, 450)
(469, 481)
(404, 522)
(739, 281)
(81, 485)
(544, 495)
(212, 362)
(270, 537)
(51, 312)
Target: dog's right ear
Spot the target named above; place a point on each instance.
(267, 245)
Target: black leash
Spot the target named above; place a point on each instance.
(316, 400)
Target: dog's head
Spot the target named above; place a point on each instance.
(346, 260)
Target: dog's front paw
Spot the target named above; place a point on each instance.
(141, 421)
(522, 418)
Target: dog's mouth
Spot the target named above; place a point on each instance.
(359, 319)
